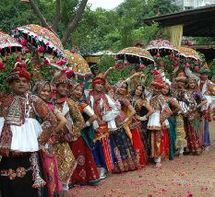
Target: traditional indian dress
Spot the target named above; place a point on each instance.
(50, 172)
(171, 125)
(192, 122)
(166, 112)
(123, 152)
(154, 126)
(106, 111)
(204, 136)
(67, 161)
(181, 141)
(86, 171)
(83, 172)
(139, 128)
(19, 133)
(204, 87)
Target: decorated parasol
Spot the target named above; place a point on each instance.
(39, 39)
(189, 54)
(77, 63)
(8, 44)
(135, 55)
(161, 48)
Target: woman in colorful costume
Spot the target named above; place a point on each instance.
(71, 132)
(49, 159)
(20, 131)
(123, 153)
(86, 171)
(192, 120)
(74, 126)
(178, 93)
(204, 85)
(143, 111)
(175, 108)
(123, 97)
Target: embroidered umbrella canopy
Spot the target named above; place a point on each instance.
(8, 44)
(39, 39)
(77, 63)
(161, 48)
(189, 54)
(135, 55)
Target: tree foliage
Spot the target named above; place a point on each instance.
(97, 30)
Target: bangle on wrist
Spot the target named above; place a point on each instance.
(87, 123)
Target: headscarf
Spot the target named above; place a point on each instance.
(39, 86)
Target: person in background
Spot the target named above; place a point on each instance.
(86, 171)
(178, 94)
(122, 140)
(143, 111)
(106, 111)
(54, 149)
(175, 108)
(156, 120)
(75, 122)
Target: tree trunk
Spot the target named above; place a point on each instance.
(57, 16)
(39, 14)
(74, 22)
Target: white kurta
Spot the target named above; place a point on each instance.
(24, 137)
(154, 121)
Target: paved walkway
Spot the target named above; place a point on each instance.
(184, 177)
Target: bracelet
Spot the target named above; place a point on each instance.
(143, 118)
(87, 123)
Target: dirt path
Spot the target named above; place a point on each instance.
(185, 176)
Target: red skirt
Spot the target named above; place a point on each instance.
(165, 143)
(86, 170)
(139, 146)
(50, 170)
(193, 142)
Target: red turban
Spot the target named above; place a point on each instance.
(158, 83)
(98, 80)
(20, 70)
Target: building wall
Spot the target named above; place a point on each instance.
(190, 4)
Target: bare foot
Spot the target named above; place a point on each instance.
(158, 165)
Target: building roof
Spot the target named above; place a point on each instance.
(207, 50)
(197, 22)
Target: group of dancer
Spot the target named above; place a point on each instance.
(58, 134)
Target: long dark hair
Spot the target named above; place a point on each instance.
(132, 93)
(169, 93)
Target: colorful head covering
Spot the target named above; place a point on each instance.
(39, 86)
(158, 83)
(73, 84)
(61, 78)
(98, 80)
(192, 79)
(20, 70)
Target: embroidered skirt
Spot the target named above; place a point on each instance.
(86, 170)
(16, 186)
(66, 161)
(50, 171)
(181, 141)
(123, 153)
